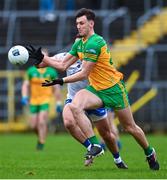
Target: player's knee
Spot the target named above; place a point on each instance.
(74, 108)
(41, 123)
(69, 123)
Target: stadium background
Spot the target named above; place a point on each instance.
(135, 30)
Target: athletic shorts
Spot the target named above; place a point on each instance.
(38, 108)
(94, 114)
(115, 97)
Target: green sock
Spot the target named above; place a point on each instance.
(148, 150)
(39, 146)
(94, 140)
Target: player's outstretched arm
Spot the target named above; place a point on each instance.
(60, 64)
(41, 60)
(81, 75)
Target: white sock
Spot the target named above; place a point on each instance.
(89, 147)
(118, 160)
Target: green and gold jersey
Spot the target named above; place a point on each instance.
(104, 74)
(38, 94)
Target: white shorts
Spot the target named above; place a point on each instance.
(95, 114)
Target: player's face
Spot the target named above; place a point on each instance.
(84, 26)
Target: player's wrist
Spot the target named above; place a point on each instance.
(63, 80)
(60, 81)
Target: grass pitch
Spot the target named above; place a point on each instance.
(62, 158)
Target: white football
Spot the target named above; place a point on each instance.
(18, 55)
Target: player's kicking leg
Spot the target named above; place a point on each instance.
(88, 140)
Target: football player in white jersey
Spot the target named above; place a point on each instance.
(84, 133)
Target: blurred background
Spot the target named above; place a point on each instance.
(136, 31)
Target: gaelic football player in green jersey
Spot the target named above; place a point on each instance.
(39, 98)
(106, 87)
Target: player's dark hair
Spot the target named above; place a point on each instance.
(85, 12)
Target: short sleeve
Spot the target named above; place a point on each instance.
(74, 48)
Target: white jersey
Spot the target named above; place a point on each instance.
(73, 88)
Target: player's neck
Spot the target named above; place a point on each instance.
(41, 70)
(89, 35)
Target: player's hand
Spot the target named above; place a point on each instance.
(24, 101)
(35, 54)
(53, 82)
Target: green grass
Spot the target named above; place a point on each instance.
(62, 158)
